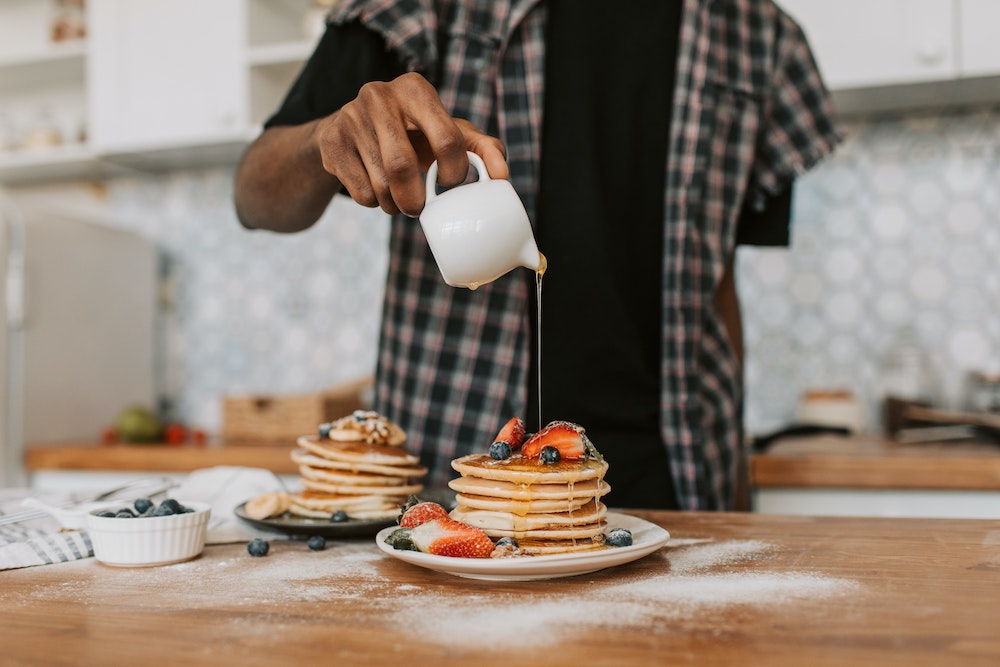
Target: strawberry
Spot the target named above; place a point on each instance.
(447, 537)
(564, 436)
(422, 513)
(512, 433)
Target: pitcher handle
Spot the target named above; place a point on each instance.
(432, 172)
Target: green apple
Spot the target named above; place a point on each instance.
(138, 424)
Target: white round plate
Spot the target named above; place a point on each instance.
(646, 538)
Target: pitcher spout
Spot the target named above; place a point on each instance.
(530, 257)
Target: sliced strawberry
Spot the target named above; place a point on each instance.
(564, 436)
(512, 433)
(422, 513)
(447, 537)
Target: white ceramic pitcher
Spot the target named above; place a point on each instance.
(477, 231)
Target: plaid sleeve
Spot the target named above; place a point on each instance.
(799, 127)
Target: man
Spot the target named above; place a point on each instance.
(644, 139)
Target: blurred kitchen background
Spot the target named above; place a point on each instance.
(130, 114)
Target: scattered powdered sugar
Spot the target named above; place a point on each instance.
(653, 603)
(290, 572)
(700, 577)
(685, 560)
(703, 577)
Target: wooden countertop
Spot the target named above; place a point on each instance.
(873, 462)
(729, 589)
(159, 457)
(818, 461)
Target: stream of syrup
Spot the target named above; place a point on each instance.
(543, 264)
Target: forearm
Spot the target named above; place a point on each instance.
(280, 183)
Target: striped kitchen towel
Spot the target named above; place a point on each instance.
(39, 541)
(25, 546)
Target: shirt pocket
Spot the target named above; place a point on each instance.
(467, 74)
(719, 145)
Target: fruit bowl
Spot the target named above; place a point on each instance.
(144, 541)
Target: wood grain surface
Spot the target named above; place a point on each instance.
(158, 457)
(876, 463)
(728, 589)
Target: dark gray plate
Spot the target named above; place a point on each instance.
(296, 525)
(302, 526)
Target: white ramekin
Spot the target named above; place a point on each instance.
(147, 541)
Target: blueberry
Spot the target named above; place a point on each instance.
(142, 504)
(507, 541)
(106, 513)
(339, 516)
(500, 450)
(317, 543)
(167, 507)
(550, 455)
(258, 547)
(324, 429)
(619, 537)
(125, 513)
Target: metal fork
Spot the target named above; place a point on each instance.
(142, 487)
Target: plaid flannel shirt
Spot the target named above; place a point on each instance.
(750, 113)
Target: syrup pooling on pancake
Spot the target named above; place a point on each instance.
(531, 495)
(543, 490)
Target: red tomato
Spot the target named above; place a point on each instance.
(175, 434)
(199, 437)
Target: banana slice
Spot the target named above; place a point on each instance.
(267, 505)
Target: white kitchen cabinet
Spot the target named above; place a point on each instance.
(156, 83)
(979, 53)
(42, 95)
(166, 73)
(900, 55)
(281, 35)
(886, 42)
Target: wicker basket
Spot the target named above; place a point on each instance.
(280, 419)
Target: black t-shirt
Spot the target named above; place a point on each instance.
(609, 80)
(600, 225)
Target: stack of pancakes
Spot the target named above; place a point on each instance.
(545, 507)
(360, 467)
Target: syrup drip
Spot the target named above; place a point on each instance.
(538, 330)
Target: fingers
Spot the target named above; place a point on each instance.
(380, 145)
(491, 149)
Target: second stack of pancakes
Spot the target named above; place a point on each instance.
(357, 465)
(545, 507)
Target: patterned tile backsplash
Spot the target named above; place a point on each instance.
(255, 312)
(896, 236)
(895, 240)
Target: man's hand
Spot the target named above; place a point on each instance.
(381, 144)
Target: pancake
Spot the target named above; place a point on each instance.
(555, 546)
(363, 515)
(581, 532)
(356, 465)
(334, 476)
(331, 502)
(303, 457)
(357, 451)
(592, 512)
(521, 470)
(353, 490)
(519, 507)
(546, 507)
(474, 486)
